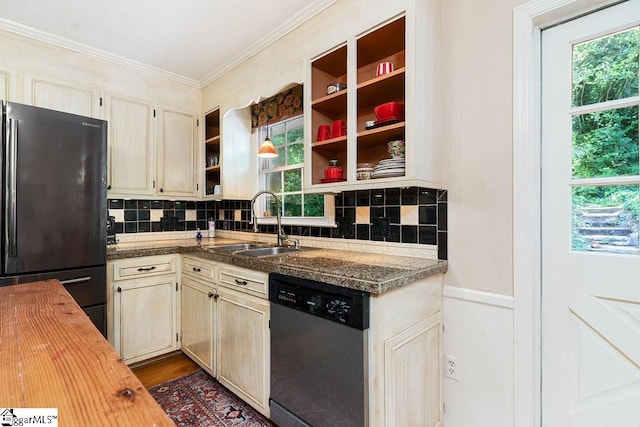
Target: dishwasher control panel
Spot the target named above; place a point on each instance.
(342, 305)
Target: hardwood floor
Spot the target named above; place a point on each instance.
(164, 369)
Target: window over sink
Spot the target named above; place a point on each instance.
(283, 175)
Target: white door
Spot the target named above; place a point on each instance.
(590, 260)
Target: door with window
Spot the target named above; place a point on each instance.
(590, 197)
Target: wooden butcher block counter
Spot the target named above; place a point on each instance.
(51, 356)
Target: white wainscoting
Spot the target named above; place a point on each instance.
(478, 333)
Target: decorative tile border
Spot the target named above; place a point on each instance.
(411, 215)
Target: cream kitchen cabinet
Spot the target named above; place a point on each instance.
(176, 154)
(243, 346)
(151, 149)
(405, 355)
(64, 96)
(8, 83)
(225, 313)
(143, 302)
(199, 311)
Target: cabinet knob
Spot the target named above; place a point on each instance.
(119, 289)
(162, 190)
(215, 297)
(196, 269)
(210, 294)
(109, 187)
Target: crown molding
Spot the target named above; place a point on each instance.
(286, 27)
(33, 33)
(279, 32)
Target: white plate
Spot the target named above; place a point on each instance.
(391, 161)
(391, 171)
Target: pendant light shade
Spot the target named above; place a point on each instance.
(267, 149)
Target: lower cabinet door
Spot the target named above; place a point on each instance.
(243, 347)
(198, 317)
(146, 318)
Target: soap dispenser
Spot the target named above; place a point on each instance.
(212, 228)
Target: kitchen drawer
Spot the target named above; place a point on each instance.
(133, 268)
(244, 280)
(200, 268)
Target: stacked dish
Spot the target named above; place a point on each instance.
(364, 171)
(388, 168)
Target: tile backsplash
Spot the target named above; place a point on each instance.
(406, 215)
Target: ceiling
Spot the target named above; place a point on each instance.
(190, 40)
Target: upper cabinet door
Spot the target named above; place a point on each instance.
(61, 96)
(130, 169)
(176, 154)
(8, 78)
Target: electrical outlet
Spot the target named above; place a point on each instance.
(451, 368)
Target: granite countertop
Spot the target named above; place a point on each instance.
(373, 273)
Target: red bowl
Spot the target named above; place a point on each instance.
(389, 111)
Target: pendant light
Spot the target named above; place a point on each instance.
(267, 150)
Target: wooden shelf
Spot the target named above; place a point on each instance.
(336, 103)
(381, 135)
(386, 87)
(334, 145)
(212, 144)
(213, 140)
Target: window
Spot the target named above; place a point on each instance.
(283, 175)
(605, 159)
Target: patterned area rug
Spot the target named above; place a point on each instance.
(198, 400)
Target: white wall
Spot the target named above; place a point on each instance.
(478, 308)
(478, 135)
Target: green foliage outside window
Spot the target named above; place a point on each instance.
(283, 174)
(605, 141)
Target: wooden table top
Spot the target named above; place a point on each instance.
(51, 356)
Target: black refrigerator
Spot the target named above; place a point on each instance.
(54, 203)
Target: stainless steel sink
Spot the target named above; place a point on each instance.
(238, 247)
(263, 252)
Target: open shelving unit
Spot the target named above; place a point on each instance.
(325, 108)
(385, 44)
(355, 104)
(212, 151)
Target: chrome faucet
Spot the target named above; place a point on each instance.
(281, 235)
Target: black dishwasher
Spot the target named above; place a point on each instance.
(318, 353)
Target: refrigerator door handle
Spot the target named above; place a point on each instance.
(11, 155)
(76, 280)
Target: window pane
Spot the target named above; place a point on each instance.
(293, 205)
(606, 68)
(274, 182)
(295, 154)
(314, 205)
(295, 132)
(277, 132)
(271, 207)
(605, 219)
(293, 180)
(605, 143)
